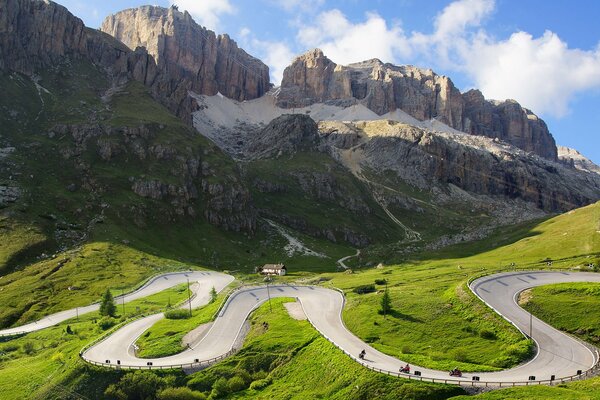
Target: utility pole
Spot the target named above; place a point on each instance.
(77, 313)
(189, 297)
(123, 300)
(530, 325)
(269, 293)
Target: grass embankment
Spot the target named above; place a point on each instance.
(287, 359)
(164, 338)
(437, 322)
(570, 307)
(573, 308)
(76, 278)
(46, 364)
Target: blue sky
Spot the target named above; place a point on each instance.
(545, 54)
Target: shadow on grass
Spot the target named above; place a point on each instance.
(398, 315)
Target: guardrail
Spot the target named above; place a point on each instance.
(585, 374)
(461, 382)
(195, 364)
(136, 289)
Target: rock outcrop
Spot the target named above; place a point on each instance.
(423, 94)
(427, 160)
(284, 135)
(575, 159)
(184, 50)
(35, 34)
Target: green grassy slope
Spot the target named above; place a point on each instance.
(571, 307)
(437, 321)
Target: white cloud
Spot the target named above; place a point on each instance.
(542, 73)
(205, 12)
(345, 42)
(277, 55)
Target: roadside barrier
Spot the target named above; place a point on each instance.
(580, 375)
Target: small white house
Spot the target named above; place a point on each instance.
(273, 269)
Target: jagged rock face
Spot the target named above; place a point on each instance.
(507, 121)
(184, 50)
(575, 159)
(421, 93)
(35, 34)
(427, 159)
(284, 135)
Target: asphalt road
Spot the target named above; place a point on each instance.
(558, 354)
(154, 285)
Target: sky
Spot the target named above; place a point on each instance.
(544, 54)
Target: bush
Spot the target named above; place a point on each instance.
(29, 348)
(260, 384)
(201, 382)
(106, 322)
(220, 388)
(140, 385)
(179, 313)
(236, 384)
(380, 281)
(180, 393)
(487, 334)
(364, 289)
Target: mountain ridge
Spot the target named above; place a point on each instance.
(384, 87)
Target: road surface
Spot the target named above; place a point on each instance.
(558, 354)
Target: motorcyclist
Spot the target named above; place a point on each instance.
(362, 354)
(405, 369)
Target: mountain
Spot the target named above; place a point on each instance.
(184, 50)
(92, 150)
(105, 138)
(575, 159)
(314, 78)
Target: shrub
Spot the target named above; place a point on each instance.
(220, 388)
(364, 289)
(236, 384)
(179, 313)
(140, 385)
(260, 384)
(179, 393)
(201, 382)
(380, 281)
(28, 348)
(106, 322)
(487, 334)
(406, 349)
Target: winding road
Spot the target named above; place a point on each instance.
(558, 354)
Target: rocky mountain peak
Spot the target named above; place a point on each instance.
(423, 94)
(185, 50)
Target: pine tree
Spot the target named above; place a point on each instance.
(213, 295)
(386, 303)
(107, 305)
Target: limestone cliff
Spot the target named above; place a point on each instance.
(423, 94)
(184, 50)
(38, 33)
(427, 160)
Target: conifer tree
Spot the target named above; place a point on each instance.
(107, 305)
